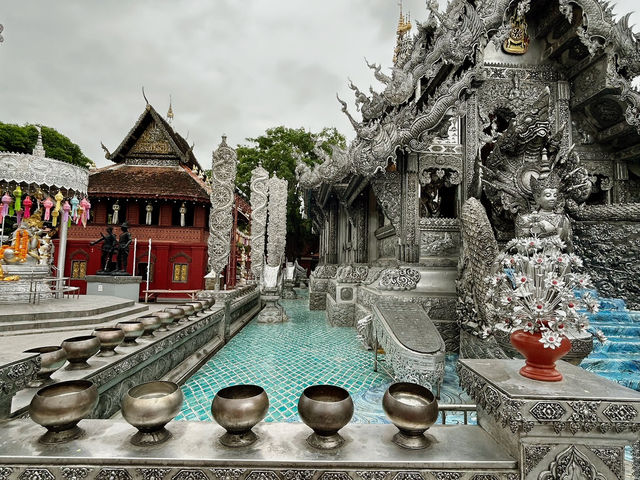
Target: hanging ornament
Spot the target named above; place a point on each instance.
(56, 211)
(17, 193)
(48, 203)
(6, 200)
(74, 207)
(79, 213)
(27, 206)
(87, 209)
(54, 217)
(85, 206)
(66, 208)
(39, 194)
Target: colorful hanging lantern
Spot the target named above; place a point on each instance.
(85, 206)
(27, 206)
(56, 211)
(17, 193)
(39, 194)
(48, 203)
(74, 208)
(6, 200)
(54, 217)
(66, 208)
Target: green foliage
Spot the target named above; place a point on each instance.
(22, 139)
(276, 151)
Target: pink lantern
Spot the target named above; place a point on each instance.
(66, 208)
(48, 203)
(85, 205)
(27, 206)
(6, 200)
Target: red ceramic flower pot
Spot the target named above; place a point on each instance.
(540, 362)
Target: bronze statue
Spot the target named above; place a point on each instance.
(123, 249)
(108, 247)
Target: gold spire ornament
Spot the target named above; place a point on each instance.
(404, 27)
(170, 112)
(518, 41)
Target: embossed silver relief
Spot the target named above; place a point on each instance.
(113, 474)
(399, 279)
(153, 473)
(298, 474)
(571, 463)
(277, 222)
(533, 455)
(190, 474)
(76, 473)
(613, 458)
(259, 197)
(223, 176)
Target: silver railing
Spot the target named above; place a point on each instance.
(443, 409)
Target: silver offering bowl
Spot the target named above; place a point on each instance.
(59, 408)
(51, 359)
(110, 338)
(149, 407)
(132, 330)
(79, 350)
(210, 302)
(197, 305)
(177, 313)
(150, 323)
(166, 319)
(325, 409)
(188, 311)
(413, 409)
(238, 409)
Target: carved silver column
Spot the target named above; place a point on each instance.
(409, 250)
(223, 178)
(277, 227)
(332, 234)
(361, 217)
(563, 112)
(259, 195)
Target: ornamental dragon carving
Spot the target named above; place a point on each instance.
(223, 178)
(332, 168)
(259, 196)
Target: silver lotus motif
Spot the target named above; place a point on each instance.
(79, 350)
(59, 408)
(149, 407)
(413, 409)
(325, 409)
(238, 409)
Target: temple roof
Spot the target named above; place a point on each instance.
(152, 139)
(135, 181)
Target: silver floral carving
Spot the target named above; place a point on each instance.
(447, 475)
(335, 476)
(190, 474)
(545, 411)
(613, 458)
(113, 474)
(153, 473)
(262, 475)
(277, 222)
(31, 169)
(259, 196)
(223, 176)
(228, 473)
(399, 279)
(76, 473)
(620, 412)
(571, 463)
(372, 474)
(5, 472)
(408, 476)
(533, 455)
(37, 474)
(298, 474)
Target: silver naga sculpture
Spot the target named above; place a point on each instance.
(277, 228)
(259, 196)
(223, 177)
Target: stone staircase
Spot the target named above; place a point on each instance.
(618, 359)
(67, 314)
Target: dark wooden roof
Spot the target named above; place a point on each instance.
(133, 181)
(179, 146)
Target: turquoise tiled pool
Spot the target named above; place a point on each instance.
(286, 358)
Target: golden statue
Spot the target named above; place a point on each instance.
(518, 41)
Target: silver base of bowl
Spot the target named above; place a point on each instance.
(412, 441)
(107, 353)
(77, 365)
(235, 440)
(61, 436)
(41, 381)
(325, 442)
(156, 437)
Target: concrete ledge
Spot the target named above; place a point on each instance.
(368, 448)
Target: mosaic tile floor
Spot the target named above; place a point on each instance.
(285, 359)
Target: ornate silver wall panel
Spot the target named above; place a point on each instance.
(277, 222)
(223, 178)
(43, 171)
(259, 196)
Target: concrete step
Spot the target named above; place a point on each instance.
(85, 306)
(71, 323)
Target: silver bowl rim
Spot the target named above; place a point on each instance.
(80, 381)
(394, 387)
(41, 350)
(345, 393)
(223, 392)
(175, 388)
(81, 338)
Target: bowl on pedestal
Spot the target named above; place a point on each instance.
(413, 409)
(110, 338)
(79, 350)
(51, 359)
(177, 313)
(189, 310)
(238, 409)
(60, 406)
(132, 330)
(166, 319)
(150, 323)
(325, 409)
(149, 407)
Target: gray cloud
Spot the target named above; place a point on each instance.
(234, 67)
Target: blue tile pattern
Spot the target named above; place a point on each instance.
(286, 358)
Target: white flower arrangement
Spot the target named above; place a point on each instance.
(533, 289)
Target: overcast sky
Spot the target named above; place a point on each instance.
(231, 66)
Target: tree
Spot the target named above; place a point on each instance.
(22, 139)
(276, 151)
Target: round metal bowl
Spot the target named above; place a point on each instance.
(325, 409)
(149, 407)
(166, 319)
(413, 409)
(59, 408)
(51, 359)
(110, 338)
(186, 311)
(132, 330)
(196, 304)
(209, 302)
(238, 409)
(79, 350)
(150, 323)
(177, 313)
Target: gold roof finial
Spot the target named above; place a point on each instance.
(170, 112)
(404, 26)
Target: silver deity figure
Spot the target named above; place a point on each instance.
(547, 218)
